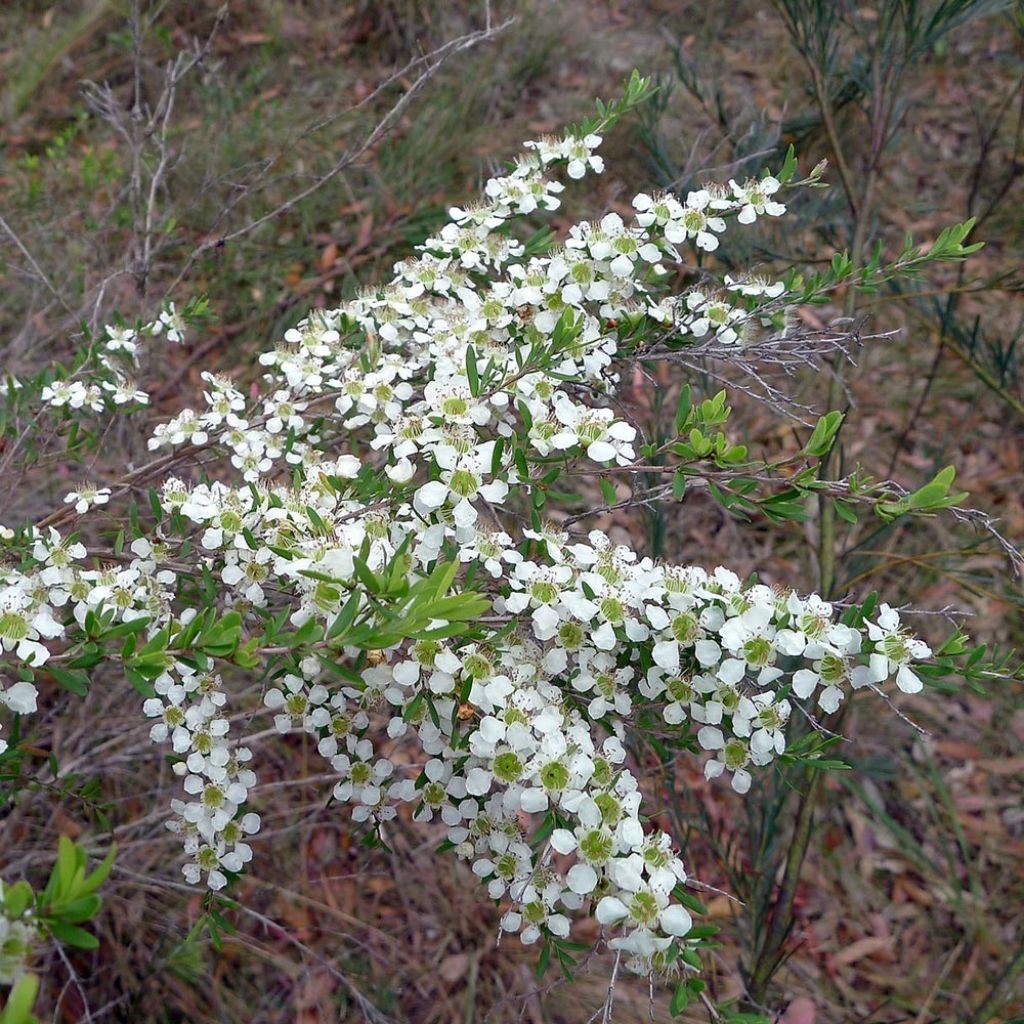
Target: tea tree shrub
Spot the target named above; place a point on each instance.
(378, 535)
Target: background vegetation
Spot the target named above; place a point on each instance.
(907, 904)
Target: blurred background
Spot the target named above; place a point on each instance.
(253, 152)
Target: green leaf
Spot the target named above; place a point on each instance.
(845, 510)
(18, 1008)
(935, 494)
(16, 899)
(79, 910)
(72, 935)
(824, 435)
(543, 960)
(689, 901)
(62, 873)
(139, 682)
(683, 409)
(366, 575)
(680, 999)
(788, 168)
(75, 681)
(340, 626)
(499, 450)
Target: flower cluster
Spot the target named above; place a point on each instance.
(106, 381)
(189, 708)
(401, 435)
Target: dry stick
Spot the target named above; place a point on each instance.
(434, 62)
(606, 1015)
(32, 262)
(439, 55)
(72, 980)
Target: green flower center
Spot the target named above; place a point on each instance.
(833, 668)
(207, 859)
(508, 767)
(535, 913)
(694, 221)
(813, 626)
(326, 596)
(613, 609)
(455, 406)
(506, 866)
(433, 794)
(544, 592)
(602, 772)
(596, 846)
(758, 651)
(730, 698)
(212, 797)
(685, 628)
(656, 857)
(426, 651)
(581, 273)
(680, 690)
(554, 776)
(478, 666)
(735, 754)
(295, 704)
(894, 647)
(643, 908)
(570, 635)
(13, 626)
(464, 483)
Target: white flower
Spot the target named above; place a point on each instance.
(755, 199)
(735, 756)
(693, 220)
(86, 497)
(894, 650)
(173, 321)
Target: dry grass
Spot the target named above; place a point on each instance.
(911, 895)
